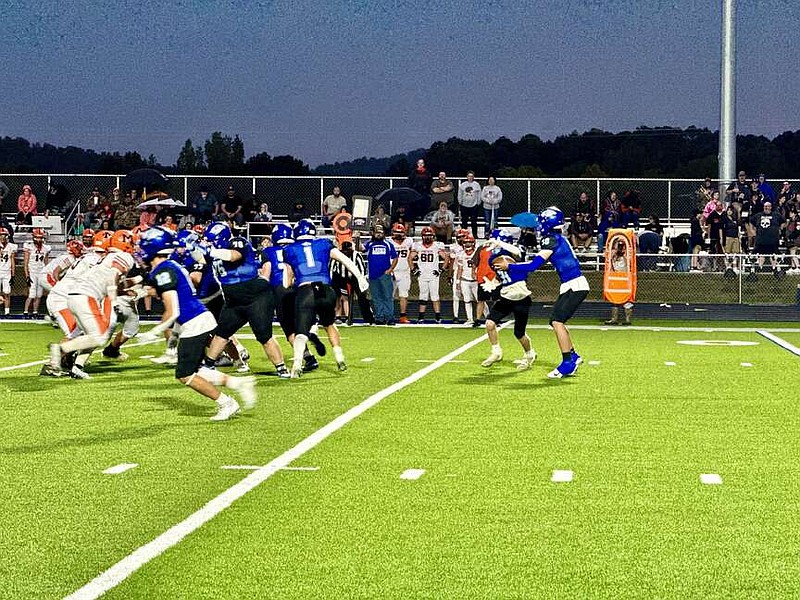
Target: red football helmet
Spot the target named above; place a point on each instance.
(199, 229)
(88, 237)
(38, 235)
(468, 242)
(398, 231)
(461, 234)
(75, 248)
(428, 235)
(3, 232)
(102, 239)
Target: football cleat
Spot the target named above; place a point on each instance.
(283, 373)
(492, 358)
(246, 386)
(318, 345)
(565, 369)
(165, 359)
(77, 373)
(241, 366)
(296, 373)
(526, 361)
(342, 366)
(51, 371)
(224, 361)
(225, 410)
(577, 359)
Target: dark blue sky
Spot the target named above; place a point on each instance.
(332, 81)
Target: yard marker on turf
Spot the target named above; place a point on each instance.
(412, 474)
(368, 359)
(123, 569)
(669, 363)
(121, 468)
(747, 364)
(561, 476)
(594, 363)
(780, 341)
(710, 479)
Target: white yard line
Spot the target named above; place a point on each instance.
(41, 362)
(117, 573)
(780, 341)
(120, 468)
(412, 474)
(562, 476)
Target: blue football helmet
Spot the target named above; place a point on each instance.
(551, 218)
(304, 230)
(154, 241)
(282, 234)
(218, 235)
(187, 238)
(502, 235)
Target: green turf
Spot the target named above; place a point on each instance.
(484, 521)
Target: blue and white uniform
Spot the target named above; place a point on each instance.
(193, 317)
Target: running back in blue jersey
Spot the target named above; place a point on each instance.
(274, 256)
(505, 277)
(169, 275)
(310, 260)
(563, 258)
(230, 273)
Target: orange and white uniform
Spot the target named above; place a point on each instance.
(429, 269)
(37, 255)
(69, 282)
(8, 254)
(55, 269)
(464, 274)
(402, 271)
(89, 301)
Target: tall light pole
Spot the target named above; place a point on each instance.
(727, 93)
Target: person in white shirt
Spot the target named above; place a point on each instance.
(8, 256)
(469, 198)
(428, 258)
(491, 197)
(401, 276)
(37, 255)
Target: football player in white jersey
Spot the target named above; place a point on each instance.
(454, 249)
(37, 255)
(428, 258)
(55, 270)
(401, 276)
(8, 257)
(465, 276)
(91, 304)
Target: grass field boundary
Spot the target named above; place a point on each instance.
(120, 571)
(779, 341)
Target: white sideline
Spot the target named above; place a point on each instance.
(780, 341)
(117, 573)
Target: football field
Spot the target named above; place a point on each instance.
(666, 467)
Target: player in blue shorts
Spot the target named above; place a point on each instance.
(307, 265)
(555, 248)
(172, 284)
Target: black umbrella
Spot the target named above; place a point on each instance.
(415, 203)
(146, 179)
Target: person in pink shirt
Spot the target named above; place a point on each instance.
(26, 205)
(148, 218)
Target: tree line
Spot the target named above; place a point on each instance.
(646, 152)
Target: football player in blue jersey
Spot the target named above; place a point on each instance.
(272, 270)
(248, 296)
(555, 248)
(515, 298)
(307, 265)
(172, 284)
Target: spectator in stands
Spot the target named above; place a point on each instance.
(380, 218)
(148, 217)
(793, 240)
(731, 235)
(299, 211)
(585, 206)
(781, 206)
(57, 198)
(469, 197)
(650, 243)
(420, 180)
(609, 219)
(331, 205)
(230, 207)
(704, 193)
(768, 230)
(630, 207)
(752, 206)
(443, 221)
(491, 197)
(127, 215)
(765, 188)
(442, 191)
(713, 223)
(93, 205)
(711, 205)
(263, 215)
(399, 216)
(169, 223)
(26, 205)
(106, 213)
(249, 207)
(580, 233)
(697, 238)
(679, 247)
(203, 206)
(3, 191)
(786, 192)
(739, 192)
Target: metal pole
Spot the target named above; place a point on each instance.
(727, 112)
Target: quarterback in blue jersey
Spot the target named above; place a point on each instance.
(272, 267)
(307, 265)
(555, 248)
(172, 284)
(514, 298)
(248, 296)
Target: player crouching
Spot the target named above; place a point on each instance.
(172, 284)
